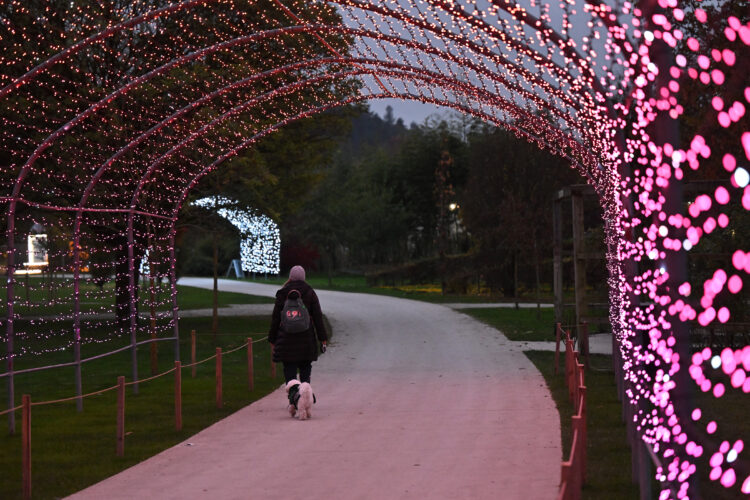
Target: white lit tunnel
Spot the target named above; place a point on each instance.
(260, 243)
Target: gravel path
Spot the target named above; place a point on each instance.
(415, 400)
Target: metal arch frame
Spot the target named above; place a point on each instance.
(459, 40)
(530, 77)
(357, 61)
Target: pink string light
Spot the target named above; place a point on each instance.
(104, 133)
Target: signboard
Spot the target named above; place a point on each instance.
(37, 250)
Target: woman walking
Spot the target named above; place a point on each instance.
(297, 350)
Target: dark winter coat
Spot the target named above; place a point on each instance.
(295, 347)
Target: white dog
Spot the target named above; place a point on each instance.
(301, 399)
(305, 402)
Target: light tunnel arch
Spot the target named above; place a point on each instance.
(498, 78)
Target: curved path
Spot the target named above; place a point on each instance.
(415, 400)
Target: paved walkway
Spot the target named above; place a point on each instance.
(415, 400)
(600, 343)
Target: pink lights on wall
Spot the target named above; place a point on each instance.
(105, 129)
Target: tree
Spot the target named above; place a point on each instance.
(507, 203)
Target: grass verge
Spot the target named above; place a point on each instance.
(518, 324)
(42, 297)
(357, 283)
(73, 450)
(608, 453)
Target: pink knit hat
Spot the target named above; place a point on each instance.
(297, 273)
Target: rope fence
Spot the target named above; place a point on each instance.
(573, 470)
(85, 360)
(26, 405)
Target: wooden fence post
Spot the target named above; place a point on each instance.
(219, 400)
(250, 379)
(26, 445)
(154, 354)
(177, 396)
(569, 367)
(192, 351)
(120, 416)
(557, 347)
(584, 433)
(566, 478)
(152, 326)
(584, 343)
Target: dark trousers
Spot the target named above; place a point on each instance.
(304, 367)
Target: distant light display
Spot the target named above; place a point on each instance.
(109, 119)
(260, 246)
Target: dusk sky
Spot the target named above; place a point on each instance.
(409, 111)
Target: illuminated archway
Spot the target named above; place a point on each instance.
(106, 129)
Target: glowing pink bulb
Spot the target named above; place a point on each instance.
(728, 478)
(746, 486)
(715, 473)
(738, 259)
(709, 225)
(723, 315)
(738, 378)
(721, 195)
(719, 390)
(711, 427)
(734, 284)
(729, 57)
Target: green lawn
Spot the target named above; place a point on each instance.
(518, 324)
(72, 450)
(40, 296)
(357, 283)
(608, 454)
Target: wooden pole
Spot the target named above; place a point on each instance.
(557, 263)
(250, 379)
(154, 352)
(26, 445)
(177, 396)
(192, 352)
(557, 347)
(584, 343)
(582, 428)
(565, 478)
(120, 416)
(569, 367)
(579, 260)
(579, 465)
(219, 401)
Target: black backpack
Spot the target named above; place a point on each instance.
(294, 316)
